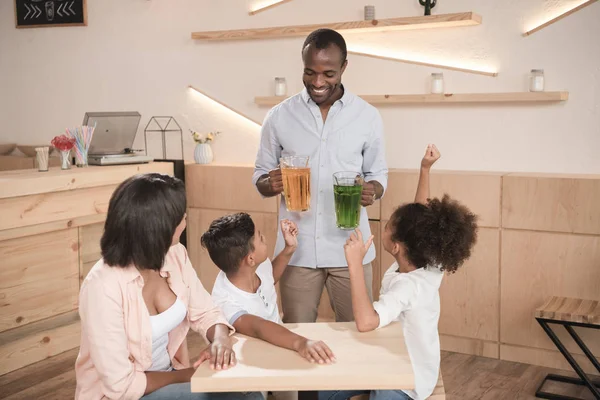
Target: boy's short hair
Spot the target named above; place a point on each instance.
(228, 240)
(143, 214)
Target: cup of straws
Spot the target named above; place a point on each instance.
(42, 158)
(83, 138)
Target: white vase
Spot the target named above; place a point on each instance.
(203, 153)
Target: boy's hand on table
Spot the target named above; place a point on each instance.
(315, 351)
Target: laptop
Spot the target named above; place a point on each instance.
(113, 138)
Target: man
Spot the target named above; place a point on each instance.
(339, 132)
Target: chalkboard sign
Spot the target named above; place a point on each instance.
(47, 13)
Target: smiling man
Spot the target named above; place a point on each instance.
(339, 132)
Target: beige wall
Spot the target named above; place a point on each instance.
(138, 55)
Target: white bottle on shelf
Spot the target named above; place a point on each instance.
(437, 83)
(280, 87)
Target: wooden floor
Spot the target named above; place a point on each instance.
(465, 378)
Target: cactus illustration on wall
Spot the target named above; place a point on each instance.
(428, 4)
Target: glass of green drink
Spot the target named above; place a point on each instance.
(347, 192)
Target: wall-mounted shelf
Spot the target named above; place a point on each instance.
(381, 25)
(519, 97)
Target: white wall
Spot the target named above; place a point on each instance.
(138, 55)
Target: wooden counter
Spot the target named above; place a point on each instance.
(539, 237)
(50, 227)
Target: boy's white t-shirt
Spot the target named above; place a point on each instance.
(413, 299)
(235, 302)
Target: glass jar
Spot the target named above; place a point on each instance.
(280, 87)
(369, 13)
(536, 80)
(437, 83)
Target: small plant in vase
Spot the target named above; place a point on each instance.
(64, 144)
(203, 152)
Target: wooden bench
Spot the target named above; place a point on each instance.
(569, 313)
(439, 393)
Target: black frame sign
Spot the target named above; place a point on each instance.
(49, 13)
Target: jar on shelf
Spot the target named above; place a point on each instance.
(536, 80)
(437, 83)
(280, 87)
(369, 13)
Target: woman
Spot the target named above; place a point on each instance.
(139, 301)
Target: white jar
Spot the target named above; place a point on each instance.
(280, 87)
(437, 83)
(536, 80)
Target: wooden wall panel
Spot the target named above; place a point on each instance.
(57, 206)
(545, 358)
(374, 211)
(37, 341)
(225, 188)
(39, 277)
(470, 297)
(475, 347)
(89, 247)
(537, 265)
(199, 220)
(479, 191)
(551, 203)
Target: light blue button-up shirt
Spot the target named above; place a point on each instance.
(350, 139)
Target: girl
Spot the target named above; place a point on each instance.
(426, 238)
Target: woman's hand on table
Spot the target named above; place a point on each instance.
(315, 351)
(219, 353)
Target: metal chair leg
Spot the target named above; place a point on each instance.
(585, 380)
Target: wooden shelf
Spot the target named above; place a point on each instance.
(382, 25)
(519, 97)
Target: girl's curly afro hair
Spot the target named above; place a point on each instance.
(443, 232)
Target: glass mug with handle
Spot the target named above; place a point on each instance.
(347, 193)
(295, 173)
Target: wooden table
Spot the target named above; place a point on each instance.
(372, 360)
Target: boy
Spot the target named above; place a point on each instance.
(245, 287)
